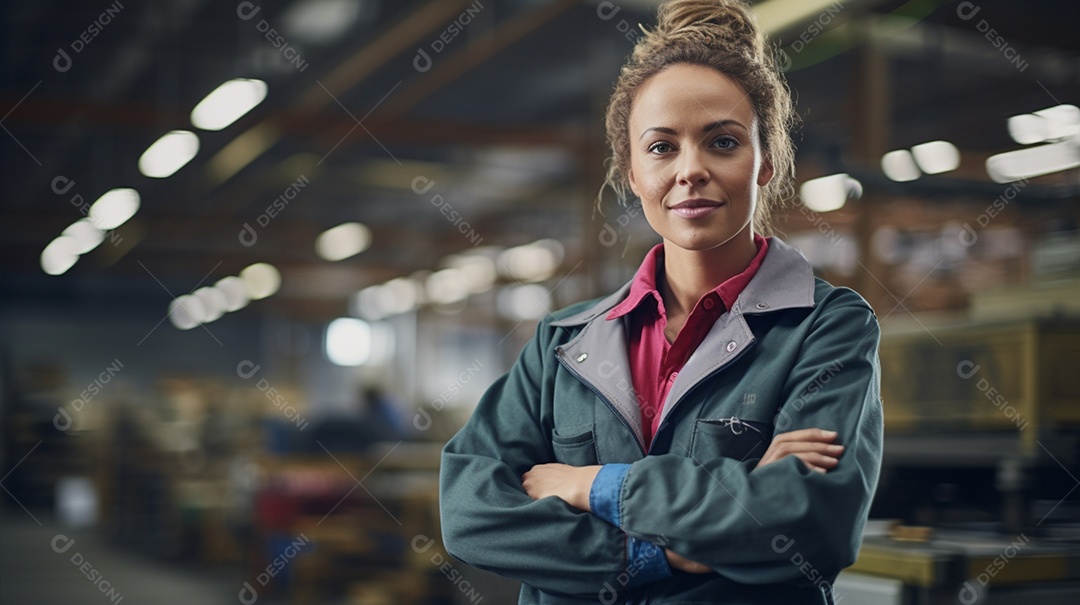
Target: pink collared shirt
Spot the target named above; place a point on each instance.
(655, 362)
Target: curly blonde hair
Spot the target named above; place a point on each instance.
(723, 35)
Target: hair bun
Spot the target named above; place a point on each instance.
(729, 20)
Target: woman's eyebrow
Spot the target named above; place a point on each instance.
(722, 124)
(662, 129)
(707, 129)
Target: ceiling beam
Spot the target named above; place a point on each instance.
(292, 123)
(450, 68)
(350, 73)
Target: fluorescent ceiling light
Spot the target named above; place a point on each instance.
(1034, 161)
(86, 235)
(186, 312)
(114, 208)
(1062, 121)
(213, 301)
(900, 166)
(532, 262)
(828, 193)
(169, 153)
(447, 286)
(228, 103)
(261, 280)
(399, 295)
(936, 157)
(236, 295)
(1027, 129)
(1050, 124)
(348, 341)
(60, 255)
(366, 303)
(478, 270)
(343, 241)
(355, 342)
(316, 21)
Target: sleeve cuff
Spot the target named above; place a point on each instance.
(605, 490)
(646, 562)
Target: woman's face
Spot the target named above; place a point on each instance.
(695, 157)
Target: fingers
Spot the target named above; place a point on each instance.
(813, 446)
(778, 450)
(681, 563)
(529, 483)
(809, 435)
(802, 447)
(818, 462)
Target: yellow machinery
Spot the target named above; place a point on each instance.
(1016, 378)
(982, 447)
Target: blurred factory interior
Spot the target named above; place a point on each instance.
(260, 259)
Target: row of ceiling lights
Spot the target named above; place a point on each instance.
(461, 276)
(311, 20)
(260, 280)
(1058, 126)
(366, 340)
(163, 158)
(229, 294)
(223, 106)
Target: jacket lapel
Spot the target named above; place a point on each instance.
(785, 280)
(598, 354)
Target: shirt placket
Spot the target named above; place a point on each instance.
(675, 356)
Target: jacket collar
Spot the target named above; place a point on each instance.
(784, 281)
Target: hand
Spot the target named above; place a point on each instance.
(677, 561)
(814, 447)
(571, 483)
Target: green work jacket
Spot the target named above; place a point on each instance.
(794, 352)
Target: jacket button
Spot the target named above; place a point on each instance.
(762, 306)
(582, 357)
(731, 346)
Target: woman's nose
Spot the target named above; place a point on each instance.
(692, 170)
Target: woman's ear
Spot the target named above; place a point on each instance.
(633, 182)
(765, 173)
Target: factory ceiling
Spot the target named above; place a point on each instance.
(442, 125)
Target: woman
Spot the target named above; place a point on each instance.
(710, 433)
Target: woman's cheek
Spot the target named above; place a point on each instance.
(656, 188)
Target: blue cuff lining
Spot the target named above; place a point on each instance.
(646, 562)
(605, 490)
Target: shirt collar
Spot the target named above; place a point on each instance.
(785, 280)
(644, 283)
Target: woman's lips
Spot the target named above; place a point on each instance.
(696, 208)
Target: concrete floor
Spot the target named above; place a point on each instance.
(90, 570)
(43, 563)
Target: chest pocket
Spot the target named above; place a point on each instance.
(575, 445)
(742, 440)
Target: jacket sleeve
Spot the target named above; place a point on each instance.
(782, 522)
(488, 520)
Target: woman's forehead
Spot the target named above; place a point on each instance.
(688, 96)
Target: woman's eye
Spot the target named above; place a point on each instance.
(660, 148)
(726, 142)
